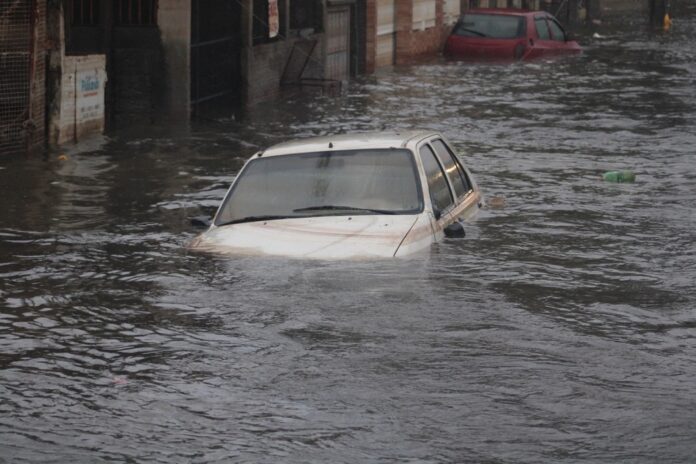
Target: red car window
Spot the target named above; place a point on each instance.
(492, 26)
(542, 29)
(556, 31)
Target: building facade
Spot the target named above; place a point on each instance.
(83, 65)
(400, 31)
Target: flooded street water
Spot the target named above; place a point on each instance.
(562, 329)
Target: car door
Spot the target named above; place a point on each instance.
(540, 38)
(560, 38)
(439, 190)
(462, 187)
(453, 195)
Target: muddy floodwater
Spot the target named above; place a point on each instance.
(561, 329)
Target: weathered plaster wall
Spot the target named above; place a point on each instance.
(174, 18)
(266, 65)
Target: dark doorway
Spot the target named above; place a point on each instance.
(127, 32)
(136, 66)
(216, 43)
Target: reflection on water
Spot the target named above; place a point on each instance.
(561, 329)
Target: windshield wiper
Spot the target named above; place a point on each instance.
(341, 207)
(300, 210)
(253, 219)
(473, 31)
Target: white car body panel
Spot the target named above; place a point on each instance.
(325, 237)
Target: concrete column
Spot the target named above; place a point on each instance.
(594, 9)
(439, 13)
(404, 26)
(658, 8)
(370, 36)
(440, 21)
(247, 58)
(174, 19)
(572, 12)
(55, 41)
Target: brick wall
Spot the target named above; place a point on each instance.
(414, 44)
(411, 45)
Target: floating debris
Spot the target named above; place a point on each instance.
(496, 202)
(619, 176)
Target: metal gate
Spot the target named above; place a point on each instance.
(215, 53)
(338, 43)
(17, 22)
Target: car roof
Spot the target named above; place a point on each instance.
(504, 11)
(354, 141)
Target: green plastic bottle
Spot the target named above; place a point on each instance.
(619, 176)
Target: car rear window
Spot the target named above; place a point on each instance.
(491, 26)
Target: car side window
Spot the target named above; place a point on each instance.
(542, 29)
(556, 31)
(440, 194)
(454, 171)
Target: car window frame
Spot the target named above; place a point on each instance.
(550, 20)
(454, 201)
(543, 19)
(460, 169)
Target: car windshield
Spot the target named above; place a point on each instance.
(324, 183)
(492, 26)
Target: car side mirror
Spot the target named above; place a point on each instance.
(201, 222)
(455, 230)
(569, 37)
(437, 213)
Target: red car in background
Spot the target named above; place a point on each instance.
(508, 34)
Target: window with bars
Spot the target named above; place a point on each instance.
(135, 12)
(82, 12)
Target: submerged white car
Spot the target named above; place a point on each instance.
(346, 196)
